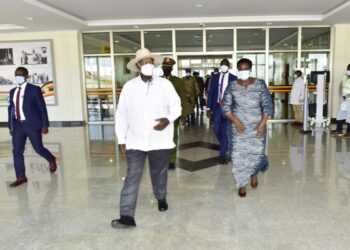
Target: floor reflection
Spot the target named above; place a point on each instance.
(305, 193)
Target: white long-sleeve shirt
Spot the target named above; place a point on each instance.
(297, 94)
(21, 97)
(140, 104)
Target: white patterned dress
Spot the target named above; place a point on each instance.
(248, 104)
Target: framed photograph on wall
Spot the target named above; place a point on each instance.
(34, 55)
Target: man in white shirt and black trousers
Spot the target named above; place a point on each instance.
(147, 108)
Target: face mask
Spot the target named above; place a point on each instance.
(188, 74)
(147, 69)
(243, 74)
(295, 76)
(224, 68)
(348, 73)
(167, 71)
(20, 80)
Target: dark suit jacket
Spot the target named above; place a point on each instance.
(214, 91)
(34, 108)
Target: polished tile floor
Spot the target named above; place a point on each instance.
(303, 201)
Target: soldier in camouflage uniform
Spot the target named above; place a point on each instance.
(179, 86)
(192, 92)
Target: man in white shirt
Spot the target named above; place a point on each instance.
(297, 98)
(147, 108)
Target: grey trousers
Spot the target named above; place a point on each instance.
(158, 166)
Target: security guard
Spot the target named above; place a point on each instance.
(192, 92)
(179, 86)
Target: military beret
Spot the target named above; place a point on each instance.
(168, 61)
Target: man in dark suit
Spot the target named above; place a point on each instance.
(217, 86)
(27, 118)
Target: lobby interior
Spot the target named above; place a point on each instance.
(303, 200)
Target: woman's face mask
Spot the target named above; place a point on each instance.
(147, 69)
(188, 74)
(348, 73)
(20, 80)
(243, 74)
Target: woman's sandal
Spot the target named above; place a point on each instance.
(242, 192)
(254, 182)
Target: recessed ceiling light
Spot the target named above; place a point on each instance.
(157, 35)
(256, 34)
(136, 27)
(30, 18)
(116, 41)
(286, 44)
(10, 27)
(199, 5)
(268, 23)
(201, 25)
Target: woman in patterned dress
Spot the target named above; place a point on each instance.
(247, 104)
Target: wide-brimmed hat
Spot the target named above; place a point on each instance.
(142, 54)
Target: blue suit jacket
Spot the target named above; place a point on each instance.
(213, 92)
(34, 108)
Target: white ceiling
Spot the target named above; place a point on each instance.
(117, 14)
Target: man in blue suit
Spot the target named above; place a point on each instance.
(27, 118)
(217, 86)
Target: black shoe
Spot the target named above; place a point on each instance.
(222, 160)
(162, 205)
(123, 222)
(171, 166)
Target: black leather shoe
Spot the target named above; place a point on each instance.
(171, 166)
(162, 205)
(123, 222)
(222, 160)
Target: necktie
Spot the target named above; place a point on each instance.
(18, 114)
(221, 89)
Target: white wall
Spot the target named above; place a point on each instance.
(67, 67)
(341, 58)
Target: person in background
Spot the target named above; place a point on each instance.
(218, 85)
(344, 106)
(147, 108)
(179, 86)
(27, 118)
(207, 81)
(247, 105)
(192, 92)
(297, 98)
(200, 99)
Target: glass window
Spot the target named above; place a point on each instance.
(314, 61)
(219, 40)
(202, 64)
(96, 43)
(98, 72)
(284, 39)
(159, 41)
(98, 77)
(126, 42)
(282, 67)
(316, 38)
(189, 40)
(251, 39)
(100, 105)
(258, 59)
(122, 74)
